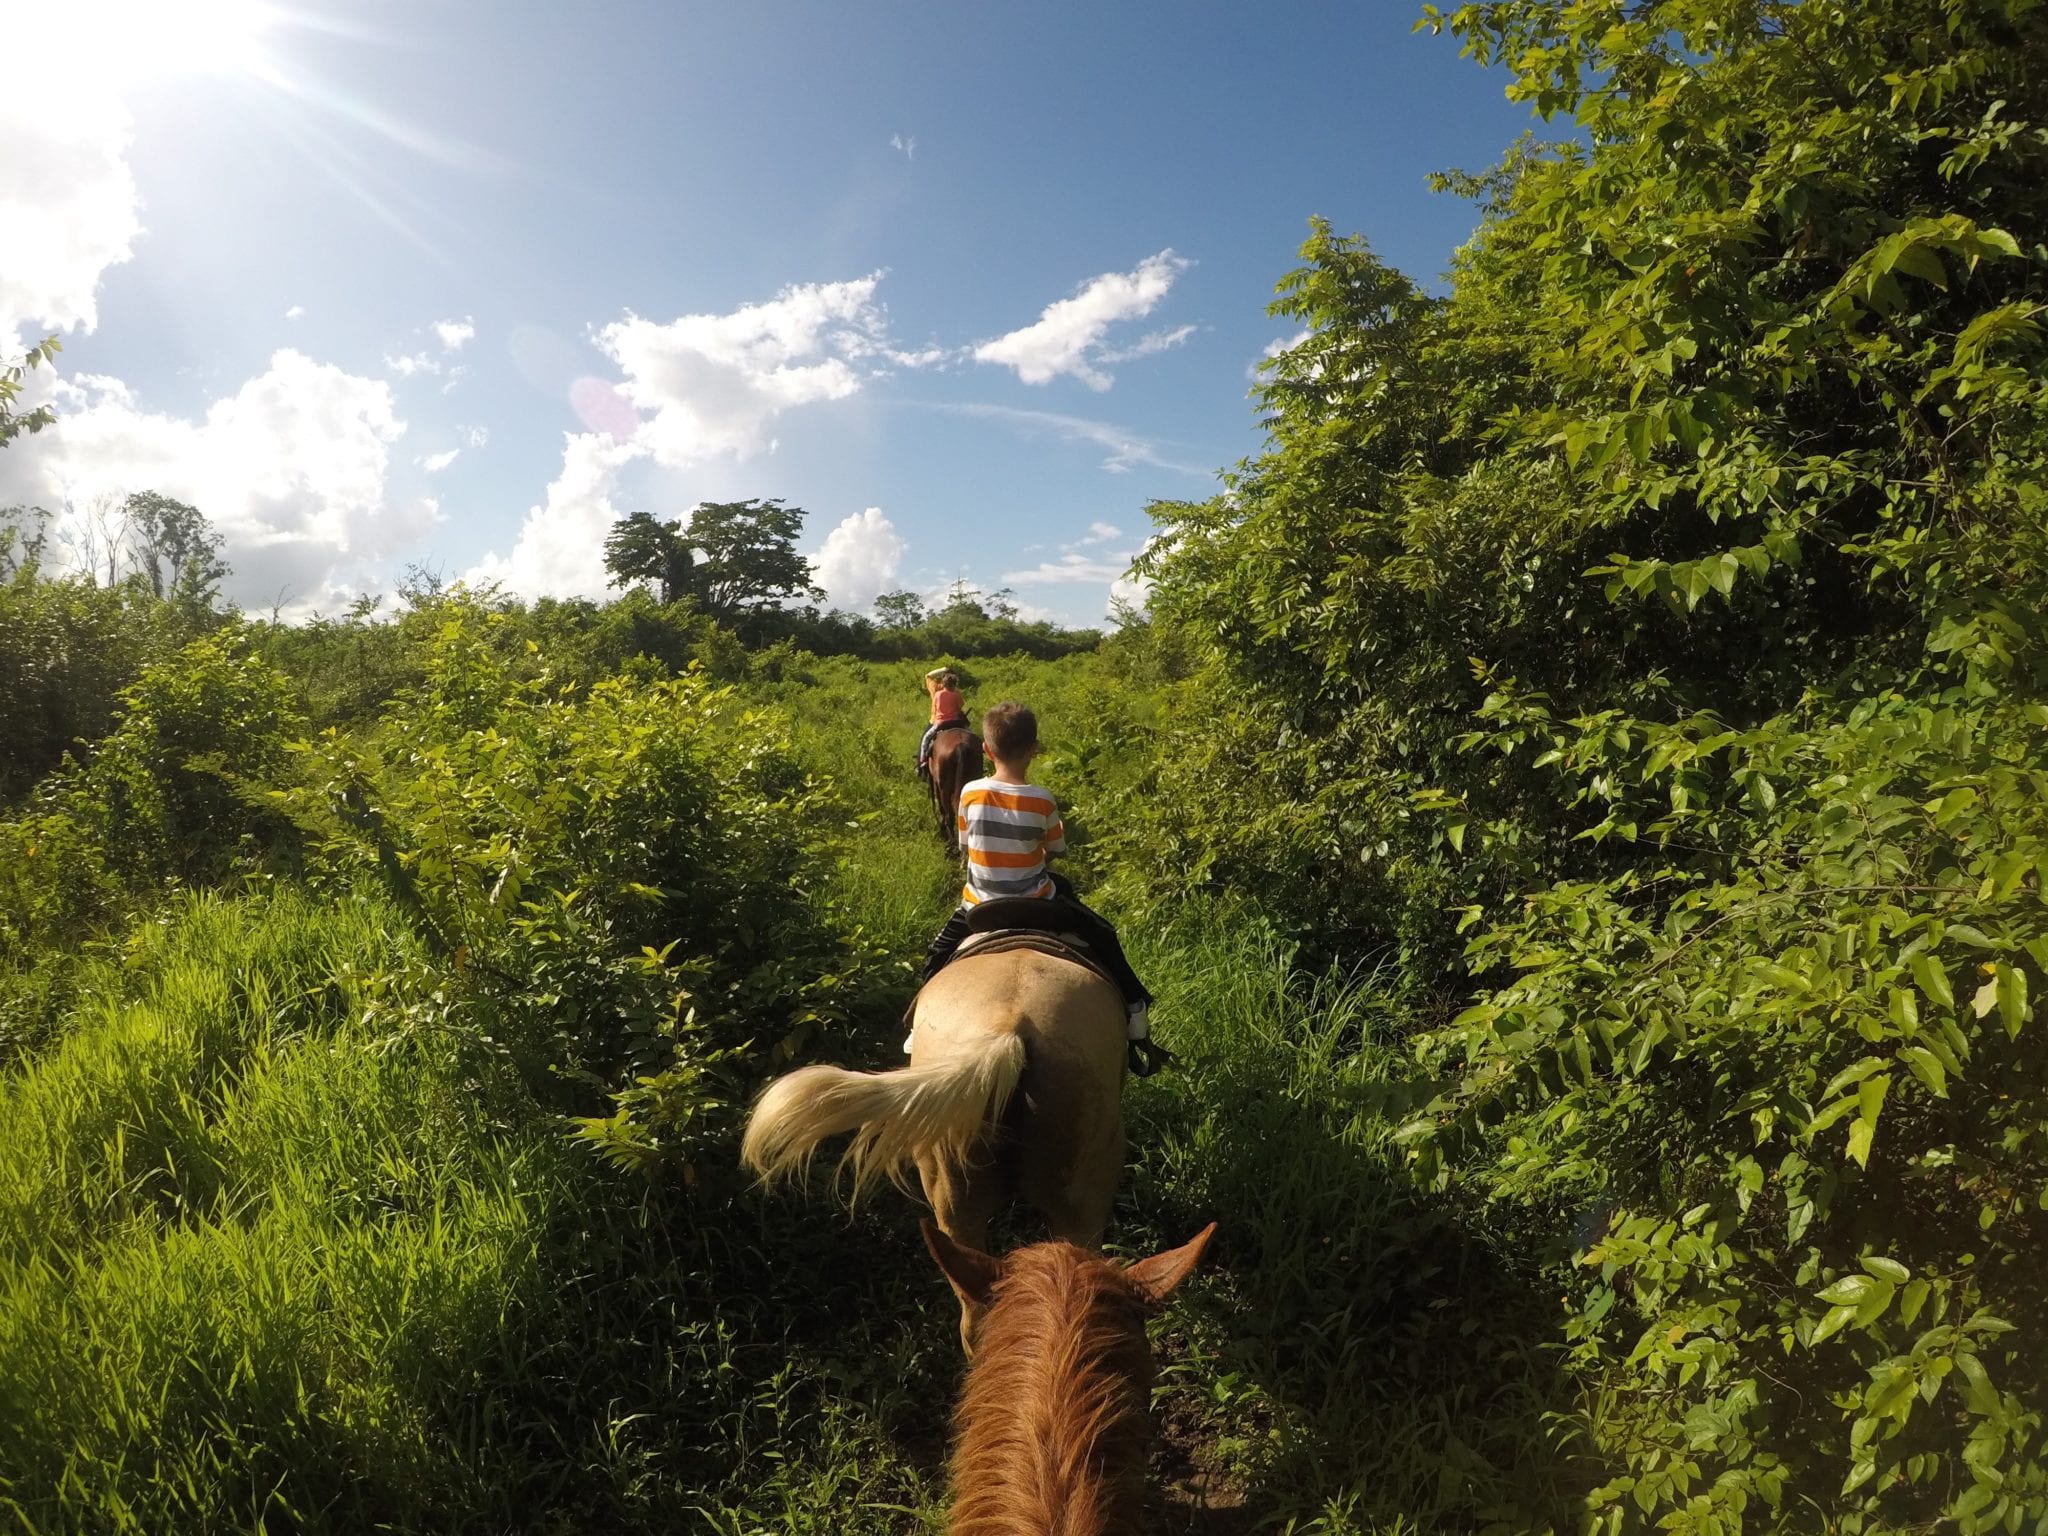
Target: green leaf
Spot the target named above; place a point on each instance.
(1886, 1269)
(2011, 983)
(1927, 1067)
(1921, 262)
(1849, 1290)
(1832, 1324)
(1978, 1393)
(1870, 1101)
(1855, 1072)
(1932, 978)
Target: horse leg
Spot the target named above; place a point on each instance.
(935, 780)
(964, 1200)
(1078, 1211)
(1075, 1186)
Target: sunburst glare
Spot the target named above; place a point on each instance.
(120, 42)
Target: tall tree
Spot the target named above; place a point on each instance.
(750, 556)
(642, 548)
(173, 548)
(900, 609)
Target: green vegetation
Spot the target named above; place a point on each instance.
(1581, 798)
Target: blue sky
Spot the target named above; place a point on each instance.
(456, 283)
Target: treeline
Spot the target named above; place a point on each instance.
(1637, 651)
(140, 575)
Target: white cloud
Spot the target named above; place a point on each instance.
(716, 383)
(1146, 346)
(417, 362)
(1067, 336)
(560, 548)
(434, 463)
(68, 205)
(1112, 568)
(698, 387)
(1126, 449)
(859, 560)
(291, 469)
(1274, 349)
(295, 312)
(906, 143)
(926, 357)
(1072, 566)
(1100, 532)
(454, 333)
(475, 437)
(1130, 592)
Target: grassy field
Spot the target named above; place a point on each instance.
(290, 1247)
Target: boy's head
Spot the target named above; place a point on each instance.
(1011, 732)
(950, 680)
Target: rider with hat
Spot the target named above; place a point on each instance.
(949, 710)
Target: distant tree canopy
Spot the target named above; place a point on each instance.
(641, 548)
(745, 556)
(899, 610)
(173, 548)
(750, 556)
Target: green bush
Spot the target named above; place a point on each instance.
(620, 879)
(67, 649)
(1781, 1111)
(1642, 643)
(171, 796)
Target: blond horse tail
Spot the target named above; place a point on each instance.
(936, 1110)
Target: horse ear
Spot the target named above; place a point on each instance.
(971, 1273)
(1156, 1277)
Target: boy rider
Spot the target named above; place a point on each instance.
(1008, 828)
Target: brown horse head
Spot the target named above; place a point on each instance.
(1051, 1428)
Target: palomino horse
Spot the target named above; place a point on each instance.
(955, 762)
(1051, 1429)
(984, 1028)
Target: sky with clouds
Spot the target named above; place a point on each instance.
(458, 282)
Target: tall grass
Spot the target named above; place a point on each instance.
(285, 1244)
(1361, 1357)
(249, 1245)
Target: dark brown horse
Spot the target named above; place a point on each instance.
(1052, 1425)
(955, 762)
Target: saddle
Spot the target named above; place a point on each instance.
(1061, 946)
(1005, 923)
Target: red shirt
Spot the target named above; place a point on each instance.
(947, 705)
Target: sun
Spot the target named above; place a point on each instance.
(112, 43)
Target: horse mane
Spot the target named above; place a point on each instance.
(1052, 1423)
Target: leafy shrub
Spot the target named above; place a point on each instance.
(1664, 603)
(170, 796)
(1781, 1108)
(67, 649)
(618, 879)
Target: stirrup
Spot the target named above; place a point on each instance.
(1147, 1056)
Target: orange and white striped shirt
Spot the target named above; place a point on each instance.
(1007, 830)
